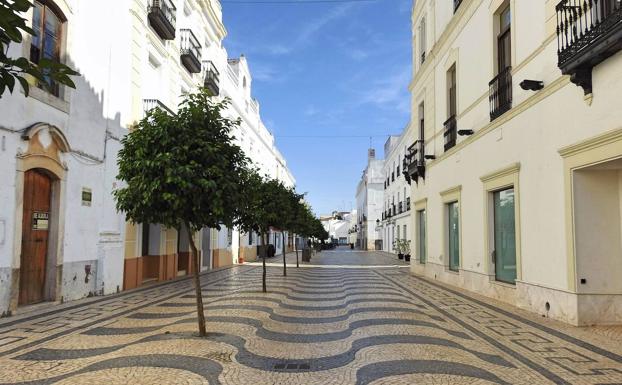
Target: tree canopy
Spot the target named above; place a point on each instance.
(183, 171)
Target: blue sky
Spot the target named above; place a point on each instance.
(326, 69)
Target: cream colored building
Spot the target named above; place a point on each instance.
(517, 167)
(177, 48)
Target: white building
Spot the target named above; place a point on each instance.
(396, 218)
(338, 226)
(258, 144)
(369, 203)
(522, 201)
(60, 235)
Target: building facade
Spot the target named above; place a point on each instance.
(61, 237)
(516, 163)
(231, 245)
(369, 203)
(396, 218)
(337, 225)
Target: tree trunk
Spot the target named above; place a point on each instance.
(284, 253)
(197, 284)
(296, 250)
(263, 257)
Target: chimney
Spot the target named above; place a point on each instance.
(371, 154)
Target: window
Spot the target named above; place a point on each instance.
(421, 236)
(453, 235)
(504, 46)
(422, 39)
(250, 238)
(504, 235)
(405, 232)
(229, 237)
(451, 91)
(398, 232)
(500, 87)
(422, 121)
(47, 39)
(457, 4)
(450, 132)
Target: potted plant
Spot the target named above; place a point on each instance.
(397, 247)
(406, 250)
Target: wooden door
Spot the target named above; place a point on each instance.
(35, 234)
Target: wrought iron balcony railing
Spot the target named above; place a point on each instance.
(190, 51)
(588, 32)
(451, 132)
(163, 18)
(416, 161)
(211, 78)
(500, 93)
(150, 104)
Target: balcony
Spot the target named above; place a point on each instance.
(190, 51)
(407, 204)
(457, 5)
(416, 161)
(451, 132)
(211, 78)
(162, 18)
(500, 93)
(588, 32)
(150, 104)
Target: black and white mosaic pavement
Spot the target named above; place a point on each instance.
(355, 318)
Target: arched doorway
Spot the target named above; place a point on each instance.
(35, 236)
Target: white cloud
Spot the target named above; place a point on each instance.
(309, 30)
(311, 110)
(390, 91)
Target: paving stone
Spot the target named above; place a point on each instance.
(346, 318)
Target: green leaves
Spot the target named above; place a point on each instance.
(173, 173)
(12, 28)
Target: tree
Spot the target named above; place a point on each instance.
(183, 171)
(289, 201)
(12, 25)
(261, 209)
(301, 221)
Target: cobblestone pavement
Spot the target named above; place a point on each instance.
(342, 319)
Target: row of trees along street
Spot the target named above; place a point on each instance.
(184, 171)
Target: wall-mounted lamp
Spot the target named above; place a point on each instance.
(465, 132)
(430, 157)
(532, 85)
